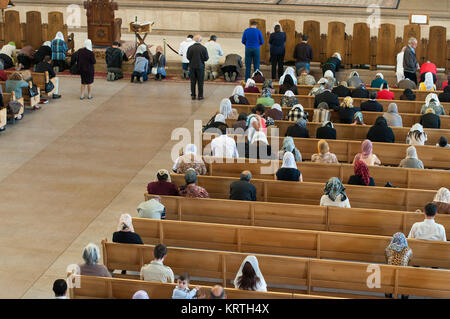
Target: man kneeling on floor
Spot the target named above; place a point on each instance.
(114, 58)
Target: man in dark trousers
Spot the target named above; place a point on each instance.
(410, 64)
(243, 189)
(197, 55)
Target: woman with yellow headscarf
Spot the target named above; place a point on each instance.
(324, 155)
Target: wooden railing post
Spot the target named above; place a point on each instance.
(161, 232)
(224, 271)
(318, 246)
(179, 210)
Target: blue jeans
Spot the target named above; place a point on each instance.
(138, 75)
(251, 54)
(300, 65)
(185, 67)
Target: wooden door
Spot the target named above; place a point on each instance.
(386, 54)
(288, 27)
(312, 30)
(336, 40)
(360, 52)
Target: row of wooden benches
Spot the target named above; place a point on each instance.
(345, 150)
(369, 118)
(305, 89)
(308, 193)
(294, 216)
(281, 273)
(306, 101)
(356, 132)
(320, 172)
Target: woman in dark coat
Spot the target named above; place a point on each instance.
(408, 95)
(86, 61)
(42, 52)
(326, 132)
(362, 176)
(333, 64)
(381, 132)
(277, 50)
(445, 96)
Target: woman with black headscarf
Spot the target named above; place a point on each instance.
(381, 132)
(408, 95)
(445, 96)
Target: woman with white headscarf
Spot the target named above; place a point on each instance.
(125, 231)
(416, 135)
(275, 112)
(378, 81)
(249, 277)
(59, 50)
(288, 99)
(291, 72)
(258, 147)
(411, 160)
(250, 86)
(258, 76)
(442, 201)
(354, 80)
(190, 159)
(428, 84)
(86, 61)
(432, 101)
(226, 109)
(289, 170)
(238, 96)
(319, 87)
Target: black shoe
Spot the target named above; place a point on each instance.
(56, 96)
(193, 97)
(200, 98)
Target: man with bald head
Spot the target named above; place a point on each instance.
(243, 189)
(217, 292)
(197, 55)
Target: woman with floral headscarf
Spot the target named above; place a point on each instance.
(366, 155)
(442, 200)
(324, 155)
(411, 160)
(250, 86)
(238, 96)
(190, 159)
(268, 84)
(334, 194)
(398, 253)
(125, 232)
(289, 146)
(319, 87)
(358, 119)
(266, 98)
(347, 111)
(288, 99)
(362, 176)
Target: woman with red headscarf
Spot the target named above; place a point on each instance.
(366, 155)
(362, 175)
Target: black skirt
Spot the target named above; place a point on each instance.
(87, 78)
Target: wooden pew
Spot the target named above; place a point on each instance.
(345, 150)
(39, 79)
(408, 119)
(7, 97)
(91, 287)
(303, 275)
(282, 242)
(318, 172)
(26, 99)
(309, 193)
(306, 101)
(306, 217)
(3, 115)
(305, 89)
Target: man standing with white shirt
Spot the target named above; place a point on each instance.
(214, 53)
(184, 46)
(224, 146)
(428, 229)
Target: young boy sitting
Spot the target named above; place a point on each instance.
(182, 291)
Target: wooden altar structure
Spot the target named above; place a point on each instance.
(103, 28)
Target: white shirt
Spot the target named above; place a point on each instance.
(214, 52)
(428, 230)
(224, 146)
(326, 201)
(400, 71)
(184, 46)
(156, 271)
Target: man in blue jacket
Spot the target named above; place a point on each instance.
(252, 39)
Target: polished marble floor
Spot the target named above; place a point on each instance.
(68, 171)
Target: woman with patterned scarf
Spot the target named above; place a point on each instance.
(334, 194)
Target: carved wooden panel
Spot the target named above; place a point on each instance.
(437, 50)
(33, 29)
(386, 54)
(288, 26)
(312, 30)
(360, 48)
(12, 28)
(100, 18)
(55, 25)
(336, 40)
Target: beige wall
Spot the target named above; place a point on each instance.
(181, 17)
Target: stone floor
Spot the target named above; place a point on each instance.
(69, 170)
